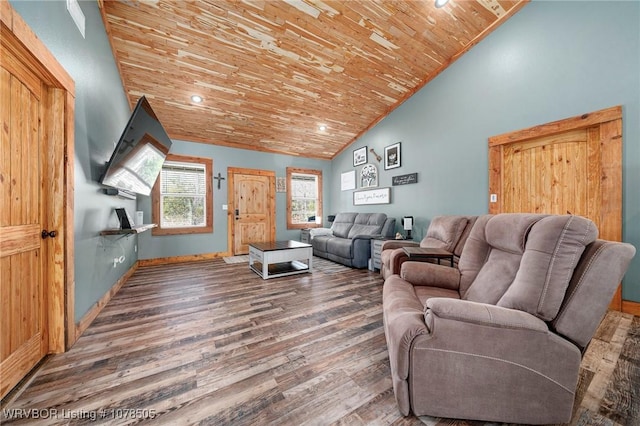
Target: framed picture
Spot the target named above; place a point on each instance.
(360, 156)
(348, 180)
(368, 176)
(392, 156)
(372, 196)
(281, 184)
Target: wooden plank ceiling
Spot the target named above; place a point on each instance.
(271, 72)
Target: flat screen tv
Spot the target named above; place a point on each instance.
(139, 154)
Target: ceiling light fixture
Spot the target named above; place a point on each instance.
(197, 99)
(322, 127)
(440, 3)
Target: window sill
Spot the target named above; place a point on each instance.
(182, 231)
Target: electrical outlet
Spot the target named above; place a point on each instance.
(135, 248)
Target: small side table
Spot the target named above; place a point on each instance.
(422, 253)
(376, 252)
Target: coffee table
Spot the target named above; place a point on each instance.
(280, 258)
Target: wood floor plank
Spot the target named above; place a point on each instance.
(212, 343)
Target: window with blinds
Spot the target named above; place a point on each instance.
(304, 194)
(183, 192)
(304, 198)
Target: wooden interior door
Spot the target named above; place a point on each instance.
(23, 334)
(36, 193)
(569, 166)
(252, 209)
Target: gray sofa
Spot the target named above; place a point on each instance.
(501, 337)
(349, 242)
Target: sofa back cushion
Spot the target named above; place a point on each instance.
(491, 257)
(523, 261)
(342, 224)
(367, 224)
(457, 251)
(594, 281)
(555, 244)
(444, 232)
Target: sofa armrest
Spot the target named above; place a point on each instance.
(313, 232)
(474, 347)
(394, 244)
(403, 320)
(393, 255)
(483, 314)
(430, 274)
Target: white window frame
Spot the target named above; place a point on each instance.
(291, 224)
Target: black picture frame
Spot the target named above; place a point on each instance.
(392, 157)
(360, 156)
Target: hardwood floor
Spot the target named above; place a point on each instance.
(212, 343)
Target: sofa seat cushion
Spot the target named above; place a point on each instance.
(420, 292)
(425, 293)
(319, 242)
(340, 247)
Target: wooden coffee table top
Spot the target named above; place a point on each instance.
(279, 245)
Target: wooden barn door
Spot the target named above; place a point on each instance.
(252, 209)
(569, 166)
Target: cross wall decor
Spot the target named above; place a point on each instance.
(219, 178)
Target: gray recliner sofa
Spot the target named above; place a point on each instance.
(445, 232)
(350, 240)
(501, 337)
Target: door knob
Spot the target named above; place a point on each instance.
(46, 234)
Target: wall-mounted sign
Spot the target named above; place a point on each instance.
(372, 196)
(404, 179)
(348, 180)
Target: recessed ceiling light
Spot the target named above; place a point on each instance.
(440, 3)
(196, 98)
(322, 127)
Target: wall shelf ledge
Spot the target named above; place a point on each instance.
(133, 230)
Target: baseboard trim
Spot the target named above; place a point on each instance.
(181, 259)
(629, 307)
(88, 318)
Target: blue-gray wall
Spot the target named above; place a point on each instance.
(101, 112)
(180, 245)
(550, 61)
